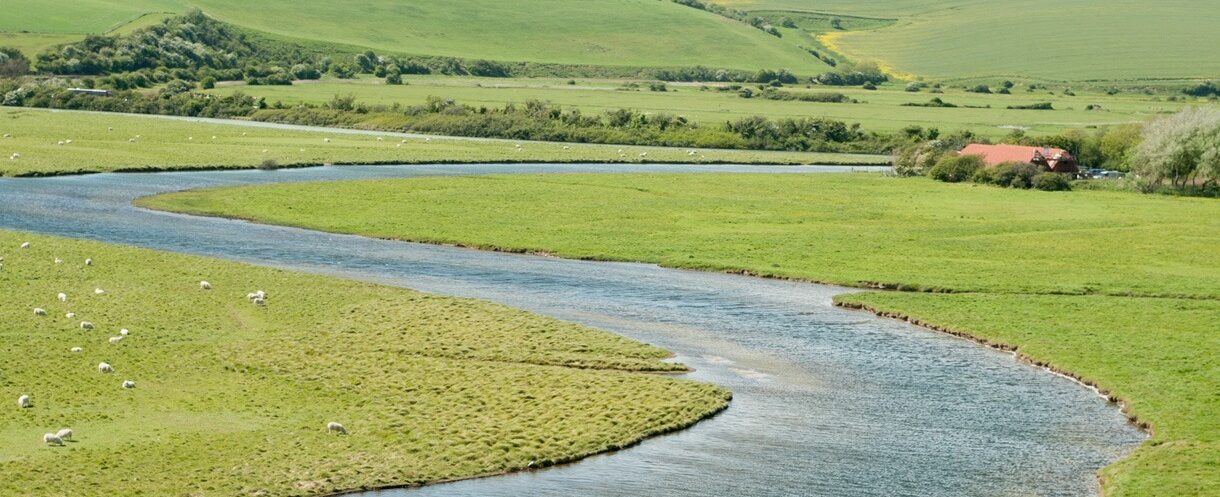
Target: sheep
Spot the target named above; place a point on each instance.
(98, 291)
(116, 339)
(15, 156)
(380, 139)
(427, 139)
(65, 434)
(565, 147)
(333, 427)
(51, 439)
(23, 401)
(70, 315)
(77, 350)
(124, 332)
(105, 368)
(110, 128)
(131, 140)
(85, 325)
(213, 137)
(38, 311)
(69, 142)
(63, 297)
(190, 138)
(25, 245)
(59, 261)
(326, 140)
(260, 301)
(204, 285)
(128, 384)
(643, 154)
(61, 142)
(264, 150)
(88, 262)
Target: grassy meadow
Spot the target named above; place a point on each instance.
(1116, 288)
(635, 33)
(107, 142)
(882, 110)
(232, 398)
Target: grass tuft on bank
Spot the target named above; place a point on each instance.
(233, 398)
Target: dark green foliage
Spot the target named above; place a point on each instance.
(1015, 174)
(1051, 182)
(13, 63)
(207, 83)
(955, 168)
(1035, 106)
(853, 75)
(935, 102)
(735, 14)
(979, 89)
(823, 97)
(1204, 89)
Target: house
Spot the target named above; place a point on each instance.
(1052, 159)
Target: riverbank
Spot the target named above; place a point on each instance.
(36, 142)
(429, 388)
(991, 246)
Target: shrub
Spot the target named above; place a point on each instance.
(208, 83)
(268, 165)
(13, 63)
(979, 89)
(1051, 182)
(1015, 174)
(954, 169)
(983, 175)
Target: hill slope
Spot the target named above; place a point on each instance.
(589, 32)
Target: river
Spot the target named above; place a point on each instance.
(826, 401)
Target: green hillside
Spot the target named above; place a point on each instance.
(1046, 39)
(588, 32)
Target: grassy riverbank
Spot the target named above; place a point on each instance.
(112, 142)
(232, 398)
(1118, 289)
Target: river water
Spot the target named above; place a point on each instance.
(827, 402)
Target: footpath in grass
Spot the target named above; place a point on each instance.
(232, 398)
(1119, 289)
(38, 142)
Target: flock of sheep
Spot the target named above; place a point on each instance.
(58, 438)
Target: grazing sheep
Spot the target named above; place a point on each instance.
(427, 139)
(644, 154)
(131, 140)
(189, 138)
(64, 434)
(23, 401)
(110, 128)
(116, 339)
(326, 140)
(61, 142)
(85, 325)
(15, 156)
(264, 150)
(98, 291)
(59, 261)
(203, 285)
(260, 301)
(63, 297)
(333, 427)
(128, 384)
(380, 139)
(69, 142)
(77, 350)
(70, 315)
(88, 262)
(25, 245)
(38, 311)
(124, 332)
(104, 368)
(565, 147)
(51, 439)
(213, 137)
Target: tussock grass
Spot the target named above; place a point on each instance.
(233, 398)
(179, 145)
(1118, 289)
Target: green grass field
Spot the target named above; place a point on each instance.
(584, 32)
(232, 398)
(1120, 289)
(881, 110)
(1043, 39)
(101, 142)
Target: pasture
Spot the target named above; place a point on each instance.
(233, 398)
(114, 142)
(881, 110)
(1117, 288)
(634, 33)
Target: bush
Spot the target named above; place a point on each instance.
(1052, 182)
(13, 63)
(268, 165)
(208, 83)
(1015, 174)
(954, 169)
(984, 175)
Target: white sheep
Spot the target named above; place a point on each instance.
(333, 427)
(15, 156)
(190, 138)
(203, 285)
(23, 401)
(25, 245)
(63, 297)
(213, 137)
(380, 139)
(85, 325)
(69, 142)
(51, 439)
(128, 384)
(116, 339)
(124, 332)
(131, 140)
(61, 142)
(40, 311)
(64, 434)
(98, 291)
(88, 262)
(644, 154)
(104, 368)
(70, 315)
(565, 147)
(77, 350)
(326, 140)
(427, 139)
(59, 261)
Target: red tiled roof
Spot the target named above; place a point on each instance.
(998, 154)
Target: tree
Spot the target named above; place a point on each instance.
(1117, 144)
(1181, 148)
(915, 160)
(956, 168)
(13, 63)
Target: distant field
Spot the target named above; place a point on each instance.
(881, 110)
(102, 142)
(1046, 39)
(233, 399)
(1050, 273)
(647, 33)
